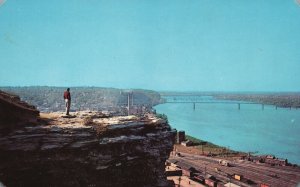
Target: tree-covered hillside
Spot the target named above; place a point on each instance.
(49, 99)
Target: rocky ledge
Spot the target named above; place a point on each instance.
(14, 112)
(86, 149)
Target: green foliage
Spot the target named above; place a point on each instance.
(201, 142)
(195, 140)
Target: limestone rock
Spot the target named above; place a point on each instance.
(14, 112)
(106, 151)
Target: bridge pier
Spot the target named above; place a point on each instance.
(239, 106)
(276, 107)
(262, 106)
(194, 106)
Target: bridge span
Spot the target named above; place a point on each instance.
(218, 102)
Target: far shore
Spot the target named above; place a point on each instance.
(284, 100)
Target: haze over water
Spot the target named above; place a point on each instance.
(250, 129)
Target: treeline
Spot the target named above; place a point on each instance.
(284, 100)
(50, 99)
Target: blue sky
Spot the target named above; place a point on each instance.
(195, 45)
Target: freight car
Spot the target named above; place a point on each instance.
(189, 172)
(276, 161)
(264, 185)
(210, 182)
(238, 177)
(198, 178)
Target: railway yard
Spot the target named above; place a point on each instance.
(214, 171)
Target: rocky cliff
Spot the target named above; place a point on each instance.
(14, 112)
(86, 149)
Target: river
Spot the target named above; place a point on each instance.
(249, 129)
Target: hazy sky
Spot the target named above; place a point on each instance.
(200, 45)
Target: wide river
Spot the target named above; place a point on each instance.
(249, 129)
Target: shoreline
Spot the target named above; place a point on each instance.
(210, 149)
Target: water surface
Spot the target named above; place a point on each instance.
(249, 129)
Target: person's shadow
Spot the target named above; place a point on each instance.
(69, 116)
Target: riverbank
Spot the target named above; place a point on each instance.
(202, 147)
(207, 148)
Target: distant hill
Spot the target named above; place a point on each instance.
(48, 99)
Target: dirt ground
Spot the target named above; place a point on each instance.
(215, 152)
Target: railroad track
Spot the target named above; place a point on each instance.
(209, 167)
(258, 173)
(269, 175)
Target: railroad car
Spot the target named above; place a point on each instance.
(238, 177)
(264, 185)
(198, 178)
(186, 172)
(276, 161)
(210, 182)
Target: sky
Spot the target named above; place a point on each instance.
(179, 45)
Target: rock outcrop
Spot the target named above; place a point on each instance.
(14, 112)
(87, 149)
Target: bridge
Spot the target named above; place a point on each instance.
(217, 102)
(207, 98)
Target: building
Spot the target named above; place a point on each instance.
(180, 137)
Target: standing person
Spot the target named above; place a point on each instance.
(67, 98)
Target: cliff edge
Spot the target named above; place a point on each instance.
(86, 149)
(14, 112)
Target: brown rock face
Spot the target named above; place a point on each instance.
(87, 150)
(14, 112)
